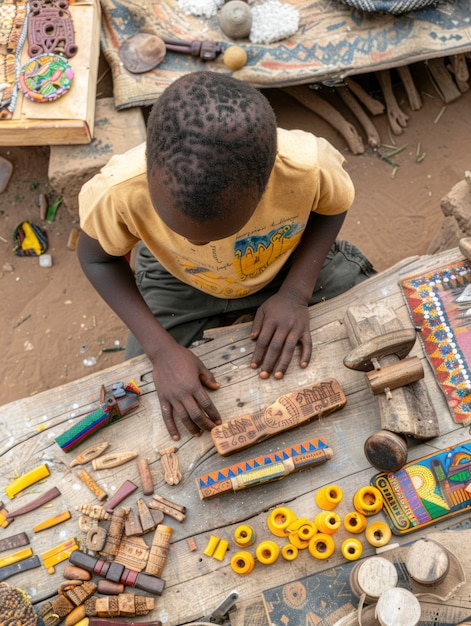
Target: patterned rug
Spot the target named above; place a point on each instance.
(333, 40)
(440, 305)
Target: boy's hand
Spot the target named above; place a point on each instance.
(180, 379)
(279, 325)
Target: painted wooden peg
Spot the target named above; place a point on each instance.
(265, 468)
(52, 521)
(59, 553)
(126, 489)
(34, 504)
(290, 410)
(26, 480)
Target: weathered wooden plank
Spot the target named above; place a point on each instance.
(28, 428)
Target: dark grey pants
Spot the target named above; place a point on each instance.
(186, 312)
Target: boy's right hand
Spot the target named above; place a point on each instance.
(180, 379)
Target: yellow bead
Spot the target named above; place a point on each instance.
(242, 562)
(378, 534)
(328, 497)
(368, 500)
(235, 57)
(321, 546)
(351, 549)
(354, 522)
(267, 552)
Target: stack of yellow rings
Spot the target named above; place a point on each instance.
(351, 549)
(267, 552)
(355, 522)
(378, 534)
(242, 562)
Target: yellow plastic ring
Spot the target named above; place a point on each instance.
(244, 536)
(351, 549)
(327, 522)
(295, 540)
(242, 562)
(279, 520)
(355, 522)
(378, 534)
(328, 497)
(289, 552)
(321, 546)
(267, 552)
(368, 500)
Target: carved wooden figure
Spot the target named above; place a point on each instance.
(170, 462)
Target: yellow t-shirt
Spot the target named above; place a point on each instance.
(115, 209)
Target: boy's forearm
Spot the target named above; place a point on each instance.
(114, 280)
(318, 238)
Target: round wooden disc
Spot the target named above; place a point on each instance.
(386, 451)
(427, 562)
(398, 607)
(374, 576)
(142, 52)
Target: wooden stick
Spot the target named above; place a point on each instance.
(397, 118)
(373, 138)
(308, 98)
(375, 107)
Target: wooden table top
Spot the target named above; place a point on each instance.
(195, 583)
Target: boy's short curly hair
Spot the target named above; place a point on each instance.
(209, 133)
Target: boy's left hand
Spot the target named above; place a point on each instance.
(279, 325)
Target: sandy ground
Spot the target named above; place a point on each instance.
(53, 323)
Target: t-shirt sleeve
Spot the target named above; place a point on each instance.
(103, 216)
(336, 190)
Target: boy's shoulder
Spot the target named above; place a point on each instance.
(122, 167)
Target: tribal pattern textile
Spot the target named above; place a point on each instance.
(13, 28)
(389, 6)
(440, 306)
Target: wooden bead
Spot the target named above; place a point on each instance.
(235, 57)
(71, 572)
(386, 451)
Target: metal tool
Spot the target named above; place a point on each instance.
(219, 614)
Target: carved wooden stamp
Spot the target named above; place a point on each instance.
(290, 410)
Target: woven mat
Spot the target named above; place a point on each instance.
(440, 305)
(334, 40)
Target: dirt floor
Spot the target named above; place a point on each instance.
(54, 324)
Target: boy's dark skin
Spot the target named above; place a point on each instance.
(181, 379)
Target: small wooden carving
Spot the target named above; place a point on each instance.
(95, 511)
(90, 453)
(145, 516)
(132, 525)
(133, 553)
(159, 550)
(113, 460)
(146, 477)
(168, 507)
(170, 462)
(115, 534)
(78, 594)
(290, 410)
(87, 480)
(96, 538)
(122, 605)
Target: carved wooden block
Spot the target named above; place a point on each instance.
(289, 411)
